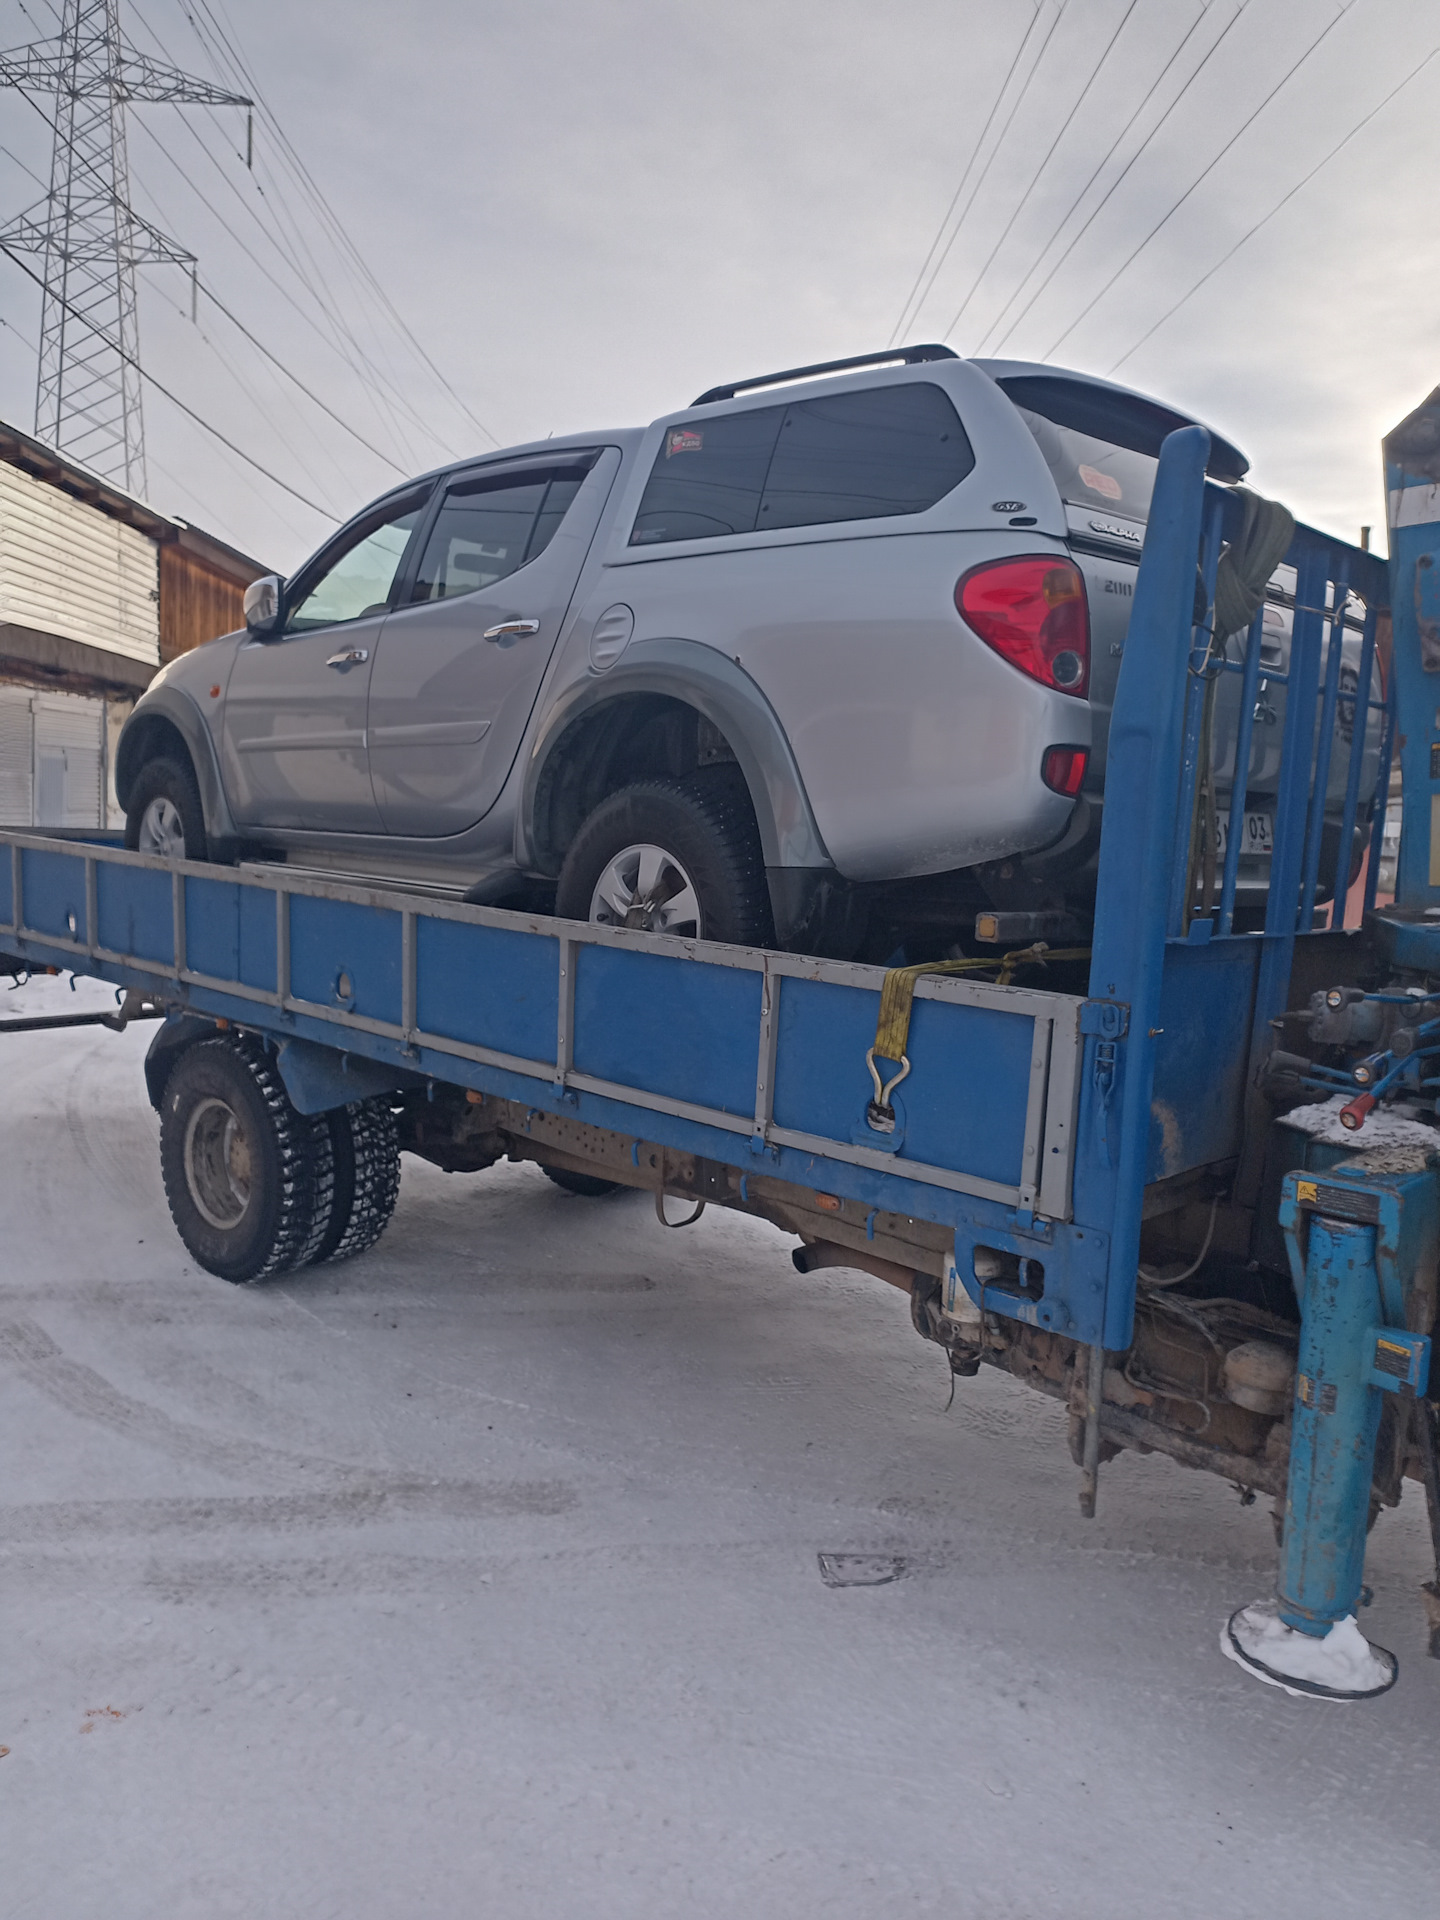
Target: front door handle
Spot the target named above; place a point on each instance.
(349, 657)
(512, 629)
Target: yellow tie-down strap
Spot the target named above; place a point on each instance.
(897, 997)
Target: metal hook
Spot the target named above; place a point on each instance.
(879, 1112)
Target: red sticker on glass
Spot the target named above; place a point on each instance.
(1102, 483)
(685, 440)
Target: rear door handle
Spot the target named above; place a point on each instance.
(349, 657)
(512, 629)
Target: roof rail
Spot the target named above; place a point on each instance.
(908, 356)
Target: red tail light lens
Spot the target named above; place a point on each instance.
(1063, 769)
(1034, 612)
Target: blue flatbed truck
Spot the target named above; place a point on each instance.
(1014, 1144)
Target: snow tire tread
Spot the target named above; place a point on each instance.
(365, 1142)
(303, 1187)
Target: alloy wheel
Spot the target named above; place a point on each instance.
(647, 888)
(162, 830)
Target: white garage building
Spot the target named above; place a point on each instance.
(96, 591)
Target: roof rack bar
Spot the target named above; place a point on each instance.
(907, 356)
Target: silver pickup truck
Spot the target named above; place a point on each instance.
(823, 660)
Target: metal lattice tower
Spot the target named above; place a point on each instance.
(88, 395)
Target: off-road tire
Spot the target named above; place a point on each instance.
(173, 780)
(365, 1143)
(706, 822)
(287, 1159)
(588, 1185)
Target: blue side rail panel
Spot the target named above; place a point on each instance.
(744, 1056)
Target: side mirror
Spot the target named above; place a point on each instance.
(262, 605)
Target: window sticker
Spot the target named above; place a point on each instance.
(1101, 483)
(684, 440)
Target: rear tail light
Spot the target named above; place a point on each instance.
(1063, 769)
(1033, 611)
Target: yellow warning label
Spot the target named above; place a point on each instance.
(1306, 1190)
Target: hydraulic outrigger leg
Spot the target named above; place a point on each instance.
(1358, 1239)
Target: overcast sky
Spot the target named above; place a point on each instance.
(587, 213)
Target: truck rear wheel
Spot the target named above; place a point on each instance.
(249, 1180)
(365, 1144)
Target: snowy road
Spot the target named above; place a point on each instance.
(478, 1577)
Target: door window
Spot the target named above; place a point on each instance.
(846, 456)
(489, 528)
(360, 579)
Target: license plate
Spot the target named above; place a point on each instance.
(1259, 834)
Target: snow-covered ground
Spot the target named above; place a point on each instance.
(479, 1578)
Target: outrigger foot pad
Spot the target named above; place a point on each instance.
(1339, 1665)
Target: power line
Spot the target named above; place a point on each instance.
(323, 206)
(357, 365)
(1024, 201)
(173, 398)
(309, 393)
(1015, 107)
(23, 168)
(974, 155)
(215, 298)
(1202, 176)
(235, 321)
(1104, 162)
(88, 397)
(1279, 204)
(341, 338)
(1125, 171)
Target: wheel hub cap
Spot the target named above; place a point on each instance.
(647, 888)
(162, 830)
(217, 1164)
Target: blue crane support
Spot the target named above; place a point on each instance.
(1037, 1132)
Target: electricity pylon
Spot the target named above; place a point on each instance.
(88, 394)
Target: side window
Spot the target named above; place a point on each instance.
(863, 456)
(708, 477)
(488, 528)
(848, 456)
(360, 579)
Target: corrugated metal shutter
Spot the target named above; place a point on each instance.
(68, 569)
(69, 761)
(17, 757)
(52, 759)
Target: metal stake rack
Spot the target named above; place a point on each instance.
(1040, 1145)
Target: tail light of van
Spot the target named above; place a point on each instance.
(1034, 612)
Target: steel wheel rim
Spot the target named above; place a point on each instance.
(647, 888)
(217, 1164)
(162, 831)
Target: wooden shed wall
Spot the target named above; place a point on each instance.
(68, 569)
(197, 602)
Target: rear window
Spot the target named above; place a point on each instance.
(1091, 472)
(846, 456)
